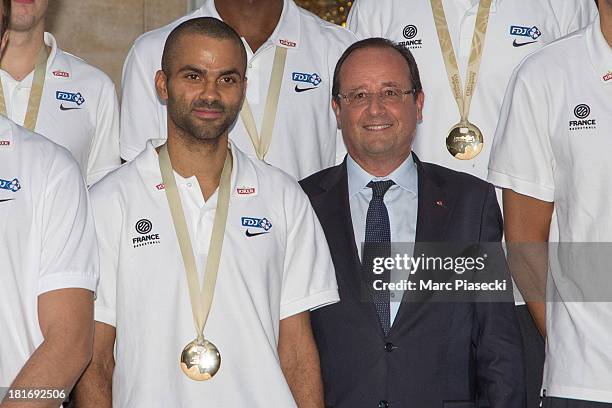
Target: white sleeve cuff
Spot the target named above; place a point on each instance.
(311, 302)
(104, 314)
(56, 281)
(520, 186)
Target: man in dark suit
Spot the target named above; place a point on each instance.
(376, 351)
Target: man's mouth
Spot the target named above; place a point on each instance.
(376, 128)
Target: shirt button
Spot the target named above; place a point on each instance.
(383, 404)
(189, 185)
(389, 347)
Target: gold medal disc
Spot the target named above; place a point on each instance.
(464, 141)
(200, 360)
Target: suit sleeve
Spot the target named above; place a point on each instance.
(499, 348)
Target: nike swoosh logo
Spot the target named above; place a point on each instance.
(517, 44)
(303, 89)
(6, 199)
(64, 108)
(254, 234)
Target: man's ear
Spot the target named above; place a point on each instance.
(3, 42)
(336, 108)
(161, 85)
(420, 102)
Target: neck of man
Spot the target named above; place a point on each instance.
(255, 20)
(21, 53)
(605, 19)
(380, 166)
(203, 159)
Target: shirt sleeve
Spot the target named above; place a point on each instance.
(107, 216)
(522, 157)
(69, 254)
(576, 14)
(139, 106)
(309, 279)
(370, 18)
(104, 152)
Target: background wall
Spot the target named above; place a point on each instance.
(102, 31)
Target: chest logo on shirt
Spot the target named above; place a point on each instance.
(582, 113)
(258, 224)
(69, 97)
(312, 79)
(145, 236)
(10, 185)
(533, 33)
(409, 33)
(5, 143)
(62, 74)
(608, 77)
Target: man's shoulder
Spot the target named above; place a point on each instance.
(68, 67)
(153, 41)
(453, 180)
(313, 184)
(332, 32)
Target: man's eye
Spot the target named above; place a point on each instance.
(390, 92)
(360, 95)
(228, 80)
(193, 77)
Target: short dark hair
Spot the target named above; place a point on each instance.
(6, 16)
(377, 42)
(206, 26)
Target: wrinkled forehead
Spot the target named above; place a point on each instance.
(208, 53)
(374, 67)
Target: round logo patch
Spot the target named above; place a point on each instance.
(410, 31)
(144, 226)
(582, 111)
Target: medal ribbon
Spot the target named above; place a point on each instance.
(261, 143)
(450, 60)
(38, 83)
(201, 300)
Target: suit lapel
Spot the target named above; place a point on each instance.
(433, 216)
(336, 219)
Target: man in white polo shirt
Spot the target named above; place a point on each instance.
(551, 153)
(257, 232)
(48, 267)
(299, 136)
(57, 94)
(514, 29)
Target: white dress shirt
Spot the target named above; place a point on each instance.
(401, 201)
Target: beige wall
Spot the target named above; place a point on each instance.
(102, 31)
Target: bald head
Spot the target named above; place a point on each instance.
(205, 26)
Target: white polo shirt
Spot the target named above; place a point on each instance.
(553, 144)
(47, 237)
(275, 263)
(78, 110)
(507, 42)
(305, 137)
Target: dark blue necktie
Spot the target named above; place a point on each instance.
(378, 244)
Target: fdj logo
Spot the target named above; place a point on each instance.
(70, 97)
(314, 78)
(582, 112)
(12, 185)
(256, 223)
(532, 32)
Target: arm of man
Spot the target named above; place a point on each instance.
(499, 349)
(299, 360)
(94, 389)
(66, 322)
(527, 224)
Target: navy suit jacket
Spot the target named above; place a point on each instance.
(437, 354)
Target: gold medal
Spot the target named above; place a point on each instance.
(200, 360)
(464, 141)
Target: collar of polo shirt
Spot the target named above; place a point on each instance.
(244, 176)
(599, 51)
(287, 31)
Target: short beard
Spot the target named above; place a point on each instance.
(197, 132)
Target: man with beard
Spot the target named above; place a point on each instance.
(166, 215)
